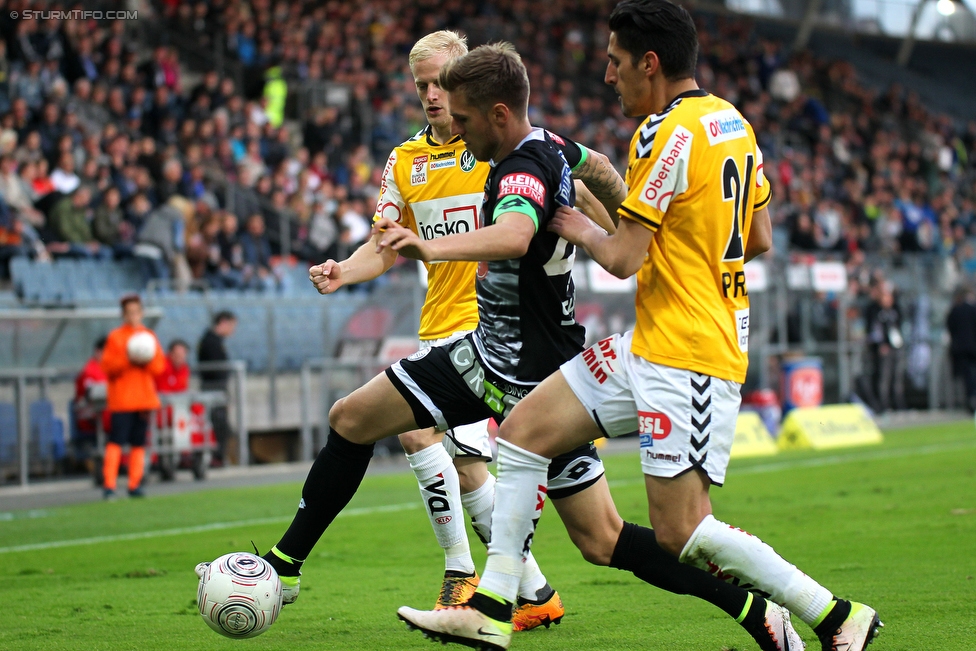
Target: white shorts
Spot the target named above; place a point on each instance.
(685, 419)
(470, 441)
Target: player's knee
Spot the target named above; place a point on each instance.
(416, 441)
(519, 433)
(671, 539)
(597, 550)
(471, 476)
(343, 419)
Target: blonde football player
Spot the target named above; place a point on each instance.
(434, 186)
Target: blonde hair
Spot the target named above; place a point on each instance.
(489, 75)
(445, 41)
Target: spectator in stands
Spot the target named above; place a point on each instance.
(18, 193)
(961, 324)
(212, 349)
(110, 227)
(256, 251)
(885, 345)
(63, 178)
(91, 385)
(131, 397)
(175, 377)
(70, 222)
(231, 252)
(161, 242)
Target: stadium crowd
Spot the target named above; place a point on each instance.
(104, 150)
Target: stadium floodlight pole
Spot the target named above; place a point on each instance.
(908, 44)
(807, 24)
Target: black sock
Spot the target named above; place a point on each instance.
(282, 566)
(834, 619)
(637, 551)
(491, 607)
(332, 481)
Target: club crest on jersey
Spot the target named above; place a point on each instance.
(467, 161)
(418, 171)
(524, 185)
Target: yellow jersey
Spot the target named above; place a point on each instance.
(695, 177)
(436, 190)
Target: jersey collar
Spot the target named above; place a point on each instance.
(695, 92)
(429, 135)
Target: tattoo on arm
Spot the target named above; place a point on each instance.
(603, 181)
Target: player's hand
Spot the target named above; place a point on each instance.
(571, 225)
(402, 240)
(327, 277)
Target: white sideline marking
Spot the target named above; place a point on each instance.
(214, 526)
(369, 510)
(836, 459)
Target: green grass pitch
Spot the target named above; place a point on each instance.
(891, 525)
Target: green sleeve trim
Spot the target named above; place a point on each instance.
(515, 203)
(584, 154)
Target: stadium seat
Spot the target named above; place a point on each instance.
(8, 434)
(46, 432)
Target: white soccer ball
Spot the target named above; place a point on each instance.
(239, 595)
(141, 347)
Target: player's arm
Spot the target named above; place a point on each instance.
(622, 253)
(366, 263)
(760, 234)
(590, 206)
(602, 180)
(508, 238)
(115, 360)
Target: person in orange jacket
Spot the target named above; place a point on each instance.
(131, 396)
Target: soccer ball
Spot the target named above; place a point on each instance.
(141, 347)
(239, 595)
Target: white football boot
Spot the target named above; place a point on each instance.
(460, 625)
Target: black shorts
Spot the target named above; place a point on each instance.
(129, 427)
(448, 385)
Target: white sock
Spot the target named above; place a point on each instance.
(519, 496)
(722, 549)
(479, 503)
(441, 492)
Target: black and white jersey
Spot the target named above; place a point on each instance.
(526, 306)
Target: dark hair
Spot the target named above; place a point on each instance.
(223, 315)
(489, 75)
(100, 343)
(130, 298)
(177, 342)
(661, 27)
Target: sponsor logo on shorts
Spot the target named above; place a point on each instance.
(523, 185)
(654, 425)
(420, 354)
(662, 456)
(599, 357)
